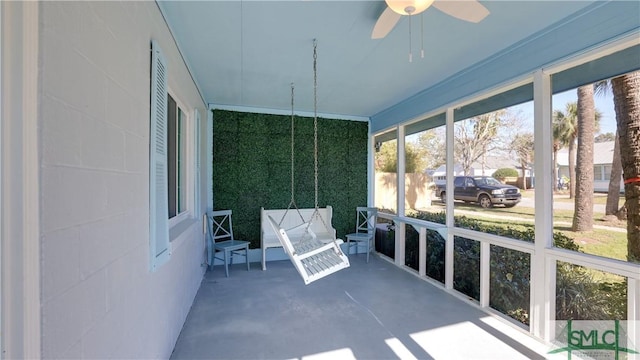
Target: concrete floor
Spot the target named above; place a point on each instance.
(368, 311)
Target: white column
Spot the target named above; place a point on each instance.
(21, 316)
(400, 227)
(371, 173)
(543, 271)
(209, 159)
(400, 243)
(485, 273)
(401, 171)
(422, 251)
(448, 254)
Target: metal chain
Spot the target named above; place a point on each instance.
(292, 203)
(292, 149)
(315, 141)
(410, 54)
(315, 118)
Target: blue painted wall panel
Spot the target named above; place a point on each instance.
(597, 24)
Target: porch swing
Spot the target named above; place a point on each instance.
(312, 258)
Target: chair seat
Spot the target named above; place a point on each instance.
(358, 236)
(231, 245)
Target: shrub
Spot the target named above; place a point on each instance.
(578, 294)
(503, 173)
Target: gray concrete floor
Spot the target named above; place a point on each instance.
(368, 311)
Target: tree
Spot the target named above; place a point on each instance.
(475, 137)
(387, 160)
(626, 99)
(431, 144)
(556, 147)
(583, 204)
(605, 137)
(386, 157)
(613, 193)
(565, 131)
(522, 145)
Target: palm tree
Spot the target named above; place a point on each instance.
(583, 205)
(613, 192)
(626, 99)
(556, 147)
(565, 131)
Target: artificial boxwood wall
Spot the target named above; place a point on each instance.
(252, 167)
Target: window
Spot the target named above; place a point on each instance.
(607, 172)
(176, 154)
(425, 168)
(386, 172)
(172, 145)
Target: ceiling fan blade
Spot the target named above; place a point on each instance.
(386, 22)
(468, 10)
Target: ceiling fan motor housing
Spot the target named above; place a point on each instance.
(412, 7)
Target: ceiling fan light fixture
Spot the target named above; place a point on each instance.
(410, 7)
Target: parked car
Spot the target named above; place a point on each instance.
(483, 190)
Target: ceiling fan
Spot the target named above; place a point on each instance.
(468, 10)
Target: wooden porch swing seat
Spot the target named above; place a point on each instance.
(312, 259)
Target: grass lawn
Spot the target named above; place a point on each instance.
(563, 196)
(603, 242)
(598, 198)
(519, 212)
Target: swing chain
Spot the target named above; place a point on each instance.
(292, 203)
(315, 119)
(292, 148)
(316, 212)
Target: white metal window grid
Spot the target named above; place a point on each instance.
(544, 256)
(188, 167)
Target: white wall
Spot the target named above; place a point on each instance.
(99, 299)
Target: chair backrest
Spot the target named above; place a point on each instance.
(219, 224)
(366, 219)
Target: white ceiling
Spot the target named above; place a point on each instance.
(246, 53)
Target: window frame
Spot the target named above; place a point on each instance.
(187, 166)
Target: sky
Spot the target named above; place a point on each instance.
(604, 104)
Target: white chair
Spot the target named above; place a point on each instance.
(221, 240)
(365, 230)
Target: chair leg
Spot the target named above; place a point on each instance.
(226, 262)
(210, 258)
(246, 256)
(348, 247)
(368, 250)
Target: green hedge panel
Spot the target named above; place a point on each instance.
(251, 167)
